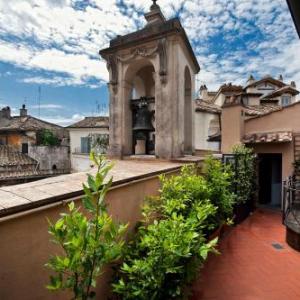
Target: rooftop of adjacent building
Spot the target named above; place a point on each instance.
(23, 122)
(207, 99)
(9, 157)
(91, 122)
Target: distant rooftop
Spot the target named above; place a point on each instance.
(10, 157)
(92, 122)
(23, 122)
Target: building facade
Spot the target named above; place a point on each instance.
(258, 97)
(90, 133)
(21, 137)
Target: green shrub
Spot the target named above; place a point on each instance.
(47, 138)
(244, 173)
(219, 181)
(88, 243)
(170, 244)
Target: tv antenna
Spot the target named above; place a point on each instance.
(39, 100)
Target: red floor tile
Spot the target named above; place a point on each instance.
(249, 268)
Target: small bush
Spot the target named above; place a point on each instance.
(219, 181)
(170, 245)
(88, 243)
(47, 138)
(244, 175)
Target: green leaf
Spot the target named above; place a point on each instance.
(87, 203)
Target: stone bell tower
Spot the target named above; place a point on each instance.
(151, 84)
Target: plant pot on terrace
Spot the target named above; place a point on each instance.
(242, 211)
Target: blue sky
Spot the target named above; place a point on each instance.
(54, 44)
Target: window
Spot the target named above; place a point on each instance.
(85, 145)
(25, 148)
(285, 100)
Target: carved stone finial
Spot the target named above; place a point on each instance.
(154, 5)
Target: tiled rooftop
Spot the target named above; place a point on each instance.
(11, 157)
(92, 122)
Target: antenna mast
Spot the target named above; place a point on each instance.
(39, 100)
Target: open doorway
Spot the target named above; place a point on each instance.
(270, 179)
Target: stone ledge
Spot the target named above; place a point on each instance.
(22, 197)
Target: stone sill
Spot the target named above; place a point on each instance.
(19, 198)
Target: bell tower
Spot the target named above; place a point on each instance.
(151, 85)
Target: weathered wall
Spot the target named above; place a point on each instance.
(51, 157)
(25, 246)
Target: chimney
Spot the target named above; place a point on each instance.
(23, 111)
(5, 112)
(203, 92)
(280, 77)
(251, 79)
(293, 84)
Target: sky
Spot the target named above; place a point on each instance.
(49, 48)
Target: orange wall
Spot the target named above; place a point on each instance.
(232, 127)
(25, 246)
(287, 119)
(14, 139)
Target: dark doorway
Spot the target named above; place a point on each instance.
(270, 179)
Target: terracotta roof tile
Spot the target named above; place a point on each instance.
(278, 92)
(260, 110)
(27, 123)
(92, 122)
(206, 106)
(268, 137)
(9, 157)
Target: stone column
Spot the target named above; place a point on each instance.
(115, 148)
(126, 118)
(163, 118)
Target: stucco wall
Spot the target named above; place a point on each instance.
(232, 121)
(50, 157)
(202, 122)
(25, 246)
(286, 119)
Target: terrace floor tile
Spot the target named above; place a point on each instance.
(250, 267)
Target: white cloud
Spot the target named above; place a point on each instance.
(63, 121)
(55, 37)
(47, 106)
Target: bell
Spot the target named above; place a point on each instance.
(143, 118)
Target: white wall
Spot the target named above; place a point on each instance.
(202, 122)
(81, 162)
